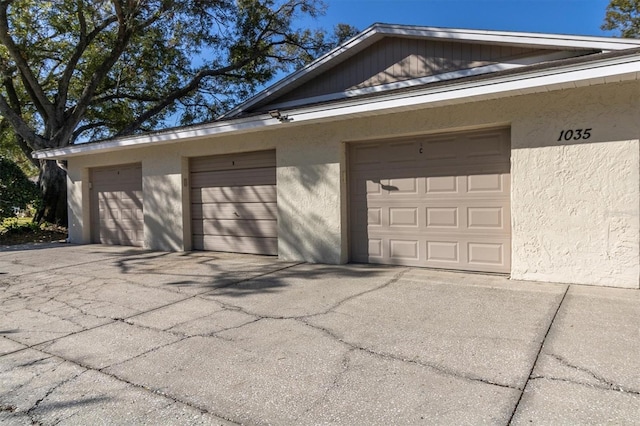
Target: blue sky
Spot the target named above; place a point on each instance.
(582, 17)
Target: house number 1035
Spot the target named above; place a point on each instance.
(574, 134)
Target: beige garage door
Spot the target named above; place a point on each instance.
(440, 201)
(233, 203)
(116, 200)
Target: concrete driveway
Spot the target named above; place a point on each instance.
(116, 335)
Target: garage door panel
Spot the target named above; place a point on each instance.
(241, 228)
(486, 217)
(117, 206)
(245, 211)
(450, 210)
(226, 178)
(235, 194)
(235, 244)
(492, 146)
(485, 253)
(404, 249)
(486, 183)
(443, 251)
(366, 154)
(439, 149)
(403, 216)
(253, 160)
(441, 185)
(234, 203)
(399, 186)
(442, 217)
(374, 216)
(403, 152)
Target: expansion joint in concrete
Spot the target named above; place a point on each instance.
(102, 371)
(535, 361)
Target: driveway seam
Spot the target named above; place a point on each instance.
(197, 295)
(383, 355)
(114, 320)
(114, 376)
(535, 361)
(303, 320)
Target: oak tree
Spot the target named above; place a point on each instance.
(623, 16)
(79, 70)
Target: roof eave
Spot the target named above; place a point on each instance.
(584, 74)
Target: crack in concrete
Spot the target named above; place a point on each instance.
(36, 375)
(302, 319)
(235, 327)
(49, 392)
(198, 295)
(86, 368)
(437, 368)
(335, 384)
(157, 348)
(230, 306)
(603, 382)
(34, 362)
(535, 361)
(391, 281)
(43, 345)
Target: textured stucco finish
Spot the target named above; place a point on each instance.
(575, 206)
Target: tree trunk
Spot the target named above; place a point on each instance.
(53, 186)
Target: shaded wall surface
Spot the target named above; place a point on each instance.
(574, 201)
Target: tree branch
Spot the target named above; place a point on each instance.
(83, 43)
(183, 91)
(19, 125)
(31, 82)
(80, 130)
(125, 31)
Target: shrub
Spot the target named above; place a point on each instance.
(16, 190)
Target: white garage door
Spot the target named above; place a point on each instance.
(438, 201)
(116, 205)
(233, 203)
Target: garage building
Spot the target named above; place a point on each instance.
(486, 151)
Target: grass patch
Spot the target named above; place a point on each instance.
(22, 230)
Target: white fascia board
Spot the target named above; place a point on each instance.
(534, 82)
(545, 40)
(609, 71)
(160, 138)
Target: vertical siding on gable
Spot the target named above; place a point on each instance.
(395, 59)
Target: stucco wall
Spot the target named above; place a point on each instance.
(309, 205)
(161, 186)
(575, 203)
(575, 206)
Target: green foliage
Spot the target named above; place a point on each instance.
(15, 225)
(10, 149)
(623, 16)
(86, 69)
(16, 190)
(77, 70)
